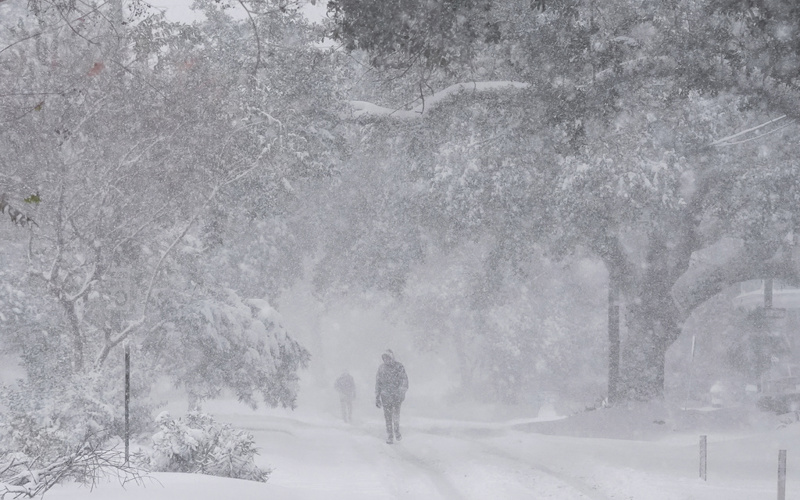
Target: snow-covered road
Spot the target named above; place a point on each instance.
(352, 461)
(643, 457)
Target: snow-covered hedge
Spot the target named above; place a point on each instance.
(196, 443)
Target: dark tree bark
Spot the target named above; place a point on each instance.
(613, 340)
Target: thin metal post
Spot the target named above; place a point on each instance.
(127, 401)
(781, 474)
(768, 285)
(703, 457)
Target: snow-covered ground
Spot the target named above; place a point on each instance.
(649, 452)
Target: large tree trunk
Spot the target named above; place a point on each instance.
(643, 355)
(668, 293)
(653, 323)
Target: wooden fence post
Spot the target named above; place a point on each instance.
(703, 457)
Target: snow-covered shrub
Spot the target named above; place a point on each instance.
(50, 419)
(226, 342)
(197, 443)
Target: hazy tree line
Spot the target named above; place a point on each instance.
(163, 183)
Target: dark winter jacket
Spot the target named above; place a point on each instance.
(345, 385)
(391, 383)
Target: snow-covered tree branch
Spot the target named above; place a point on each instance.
(363, 109)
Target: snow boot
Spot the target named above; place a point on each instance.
(397, 436)
(389, 440)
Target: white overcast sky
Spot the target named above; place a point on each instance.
(179, 10)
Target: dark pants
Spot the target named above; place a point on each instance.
(391, 412)
(347, 408)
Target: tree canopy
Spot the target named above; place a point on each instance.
(649, 134)
(148, 144)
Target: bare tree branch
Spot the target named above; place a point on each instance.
(88, 463)
(255, 32)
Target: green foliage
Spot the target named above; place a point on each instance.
(17, 217)
(34, 198)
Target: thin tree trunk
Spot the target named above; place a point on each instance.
(613, 340)
(77, 336)
(465, 370)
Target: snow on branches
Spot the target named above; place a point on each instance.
(198, 444)
(228, 342)
(23, 476)
(367, 109)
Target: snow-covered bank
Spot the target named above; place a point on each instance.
(638, 453)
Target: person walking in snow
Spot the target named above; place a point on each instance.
(346, 388)
(391, 384)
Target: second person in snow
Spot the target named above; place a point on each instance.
(346, 387)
